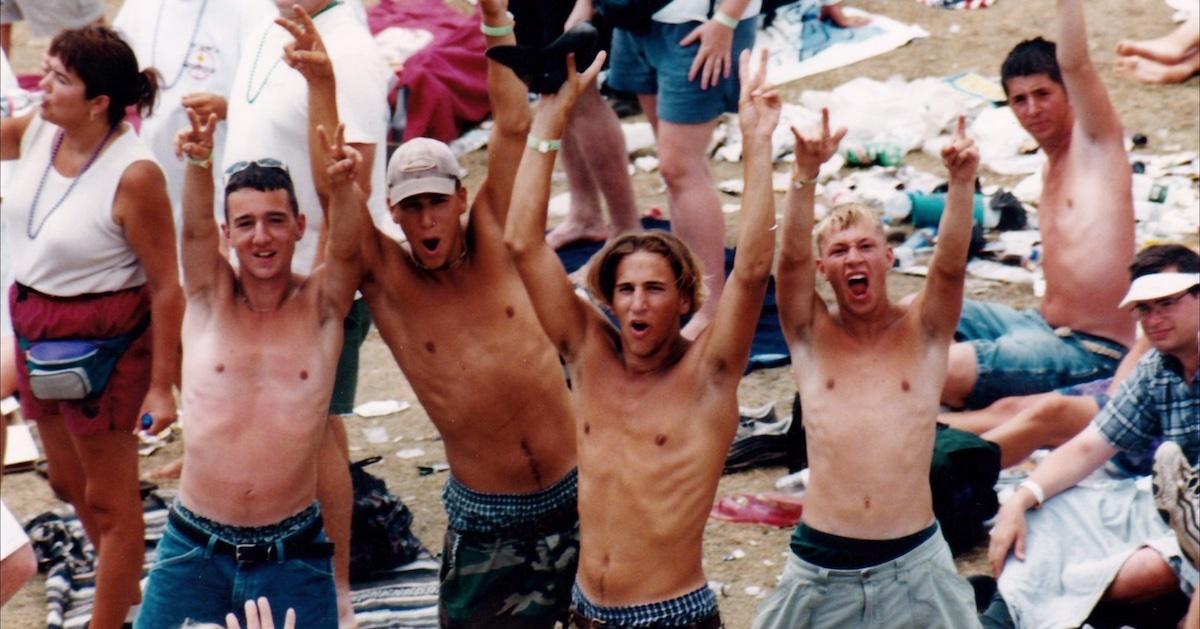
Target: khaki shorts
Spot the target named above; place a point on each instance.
(46, 17)
(921, 589)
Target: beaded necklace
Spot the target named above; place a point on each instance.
(37, 196)
(258, 53)
(186, 51)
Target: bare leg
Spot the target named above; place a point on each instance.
(336, 495)
(1143, 577)
(1154, 72)
(167, 471)
(962, 372)
(15, 570)
(594, 159)
(110, 466)
(8, 366)
(66, 473)
(1170, 48)
(6, 39)
(989, 417)
(695, 206)
(1051, 420)
(1192, 619)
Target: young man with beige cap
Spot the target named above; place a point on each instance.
(1135, 557)
(457, 319)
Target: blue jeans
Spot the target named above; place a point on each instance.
(190, 581)
(656, 64)
(1018, 353)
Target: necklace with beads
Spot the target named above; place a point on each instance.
(186, 51)
(30, 230)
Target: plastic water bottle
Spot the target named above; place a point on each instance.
(872, 153)
(920, 239)
(17, 102)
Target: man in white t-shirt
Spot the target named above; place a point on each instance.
(196, 46)
(268, 118)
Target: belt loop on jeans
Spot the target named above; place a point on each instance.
(211, 547)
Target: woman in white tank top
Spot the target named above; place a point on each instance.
(93, 248)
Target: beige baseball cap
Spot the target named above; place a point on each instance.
(1157, 286)
(420, 166)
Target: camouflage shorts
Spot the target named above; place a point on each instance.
(494, 580)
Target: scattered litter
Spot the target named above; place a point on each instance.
(379, 408)
(638, 136)
(472, 140)
(720, 588)
(734, 555)
(646, 163)
(560, 204)
(755, 591)
(426, 470)
(410, 453)
(768, 562)
(376, 434)
(782, 510)
(796, 481)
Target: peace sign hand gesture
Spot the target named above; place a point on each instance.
(306, 53)
(343, 159)
(196, 142)
(759, 105)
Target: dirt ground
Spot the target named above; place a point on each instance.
(970, 40)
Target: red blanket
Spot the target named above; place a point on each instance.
(447, 80)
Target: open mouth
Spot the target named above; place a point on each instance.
(264, 255)
(857, 284)
(431, 244)
(639, 326)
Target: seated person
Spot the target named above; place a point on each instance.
(1133, 555)
(1172, 58)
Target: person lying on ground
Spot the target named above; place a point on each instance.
(453, 312)
(655, 413)
(1086, 206)
(261, 345)
(1172, 58)
(869, 376)
(1159, 401)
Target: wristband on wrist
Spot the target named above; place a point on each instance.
(1039, 494)
(722, 18)
(543, 146)
(800, 182)
(202, 163)
(498, 31)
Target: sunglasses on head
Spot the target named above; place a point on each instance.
(264, 162)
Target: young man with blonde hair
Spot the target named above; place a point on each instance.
(868, 551)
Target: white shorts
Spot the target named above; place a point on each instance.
(47, 17)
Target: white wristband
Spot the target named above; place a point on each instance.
(1039, 494)
(723, 19)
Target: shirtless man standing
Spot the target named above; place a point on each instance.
(655, 413)
(261, 345)
(1086, 207)
(457, 319)
(868, 552)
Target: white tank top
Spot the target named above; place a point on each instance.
(79, 248)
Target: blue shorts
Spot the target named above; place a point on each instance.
(1018, 353)
(655, 63)
(191, 580)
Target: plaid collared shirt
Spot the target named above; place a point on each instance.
(1154, 403)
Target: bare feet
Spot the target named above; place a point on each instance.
(1150, 71)
(572, 230)
(835, 14)
(1172, 48)
(169, 471)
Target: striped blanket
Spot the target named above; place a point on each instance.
(405, 597)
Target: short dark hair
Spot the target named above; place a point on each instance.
(107, 66)
(1030, 57)
(1157, 258)
(689, 272)
(263, 179)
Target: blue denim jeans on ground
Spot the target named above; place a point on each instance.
(188, 581)
(1018, 353)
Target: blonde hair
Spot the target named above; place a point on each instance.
(689, 272)
(843, 217)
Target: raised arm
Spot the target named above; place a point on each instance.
(728, 345)
(796, 277)
(1094, 112)
(511, 118)
(940, 302)
(203, 264)
(562, 315)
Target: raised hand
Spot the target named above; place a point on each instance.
(960, 155)
(553, 109)
(306, 53)
(206, 103)
(759, 104)
(196, 142)
(812, 150)
(344, 160)
(493, 9)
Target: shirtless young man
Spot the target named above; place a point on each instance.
(261, 345)
(868, 552)
(655, 413)
(457, 319)
(1086, 207)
